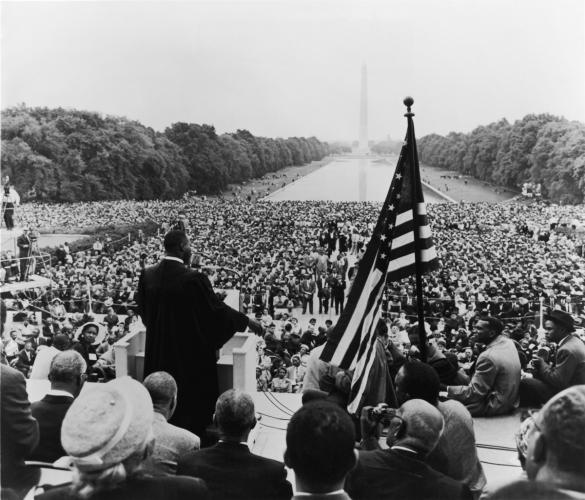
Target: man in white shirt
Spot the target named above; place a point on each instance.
(45, 354)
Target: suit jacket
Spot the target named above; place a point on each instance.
(50, 412)
(400, 474)
(185, 324)
(494, 387)
(569, 367)
(231, 471)
(19, 430)
(170, 444)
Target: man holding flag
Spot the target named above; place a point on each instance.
(401, 246)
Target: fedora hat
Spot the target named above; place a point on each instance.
(561, 318)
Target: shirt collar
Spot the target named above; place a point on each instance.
(170, 257)
(331, 493)
(402, 448)
(564, 339)
(244, 443)
(59, 392)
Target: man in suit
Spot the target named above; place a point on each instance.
(320, 449)
(323, 293)
(229, 469)
(494, 387)
(569, 366)
(401, 471)
(26, 358)
(170, 442)
(67, 376)
(185, 324)
(19, 433)
(24, 251)
(307, 292)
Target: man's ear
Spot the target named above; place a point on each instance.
(539, 450)
(356, 457)
(287, 459)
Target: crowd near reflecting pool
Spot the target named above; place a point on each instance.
(295, 260)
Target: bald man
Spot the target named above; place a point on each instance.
(401, 471)
(230, 469)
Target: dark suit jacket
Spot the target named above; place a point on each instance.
(20, 432)
(50, 412)
(141, 488)
(185, 324)
(400, 474)
(231, 471)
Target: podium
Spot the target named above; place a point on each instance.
(236, 364)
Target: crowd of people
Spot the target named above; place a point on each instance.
(293, 264)
(295, 260)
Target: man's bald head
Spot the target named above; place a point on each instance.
(234, 414)
(422, 425)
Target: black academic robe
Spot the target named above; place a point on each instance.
(185, 324)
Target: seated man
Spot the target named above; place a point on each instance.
(493, 389)
(455, 455)
(107, 434)
(170, 442)
(402, 471)
(67, 376)
(556, 445)
(320, 442)
(45, 355)
(569, 366)
(19, 434)
(230, 470)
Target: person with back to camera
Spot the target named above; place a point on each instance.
(320, 440)
(185, 324)
(107, 434)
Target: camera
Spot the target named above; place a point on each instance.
(382, 414)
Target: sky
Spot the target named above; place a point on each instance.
(282, 68)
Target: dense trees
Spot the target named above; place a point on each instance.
(538, 148)
(70, 155)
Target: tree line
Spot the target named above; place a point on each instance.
(541, 149)
(70, 155)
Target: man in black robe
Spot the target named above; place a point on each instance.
(185, 324)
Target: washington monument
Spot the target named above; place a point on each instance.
(363, 142)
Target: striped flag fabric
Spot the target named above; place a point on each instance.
(401, 245)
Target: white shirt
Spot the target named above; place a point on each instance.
(42, 363)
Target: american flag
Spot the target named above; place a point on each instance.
(390, 256)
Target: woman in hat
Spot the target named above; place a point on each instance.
(107, 433)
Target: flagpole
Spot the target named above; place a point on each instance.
(422, 334)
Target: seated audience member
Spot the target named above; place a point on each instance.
(86, 343)
(230, 470)
(320, 442)
(45, 355)
(455, 454)
(170, 441)
(107, 434)
(568, 368)
(556, 445)
(493, 389)
(67, 375)
(401, 471)
(19, 434)
(25, 359)
(448, 371)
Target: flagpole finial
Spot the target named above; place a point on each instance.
(408, 102)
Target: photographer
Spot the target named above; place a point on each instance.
(401, 470)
